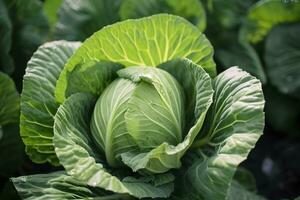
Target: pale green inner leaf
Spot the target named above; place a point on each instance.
(108, 124)
(156, 109)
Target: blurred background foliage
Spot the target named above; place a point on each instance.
(262, 37)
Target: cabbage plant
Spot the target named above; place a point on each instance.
(137, 111)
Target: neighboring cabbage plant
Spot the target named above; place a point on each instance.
(137, 111)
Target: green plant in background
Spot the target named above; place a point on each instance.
(79, 19)
(260, 37)
(23, 27)
(5, 41)
(278, 31)
(144, 117)
(10, 141)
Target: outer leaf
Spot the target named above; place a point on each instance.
(233, 125)
(9, 101)
(9, 134)
(79, 19)
(57, 186)
(132, 9)
(38, 105)
(6, 63)
(244, 55)
(262, 18)
(79, 157)
(197, 86)
(229, 14)
(282, 58)
(108, 123)
(148, 41)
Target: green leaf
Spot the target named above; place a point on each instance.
(147, 41)
(108, 123)
(243, 55)
(133, 9)
(57, 186)
(9, 101)
(32, 27)
(233, 125)
(6, 63)
(80, 157)
(232, 49)
(229, 14)
(79, 19)
(92, 77)
(50, 8)
(199, 91)
(238, 192)
(266, 14)
(38, 105)
(282, 58)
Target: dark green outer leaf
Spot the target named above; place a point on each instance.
(282, 55)
(266, 14)
(9, 101)
(38, 105)
(79, 19)
(133, 9)
(243, 55)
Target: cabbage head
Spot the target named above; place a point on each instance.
(136, 111)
